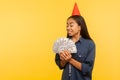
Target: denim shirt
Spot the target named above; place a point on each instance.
(85, 55)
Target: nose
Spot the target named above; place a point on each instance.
(68, 27)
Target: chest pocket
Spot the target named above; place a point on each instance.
(81, 56)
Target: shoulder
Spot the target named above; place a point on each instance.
(91, 43)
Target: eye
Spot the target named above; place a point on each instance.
(67, 26)
(71, 25)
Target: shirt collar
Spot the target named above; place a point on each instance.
(80, 39)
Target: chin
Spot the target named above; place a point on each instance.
(70, 35)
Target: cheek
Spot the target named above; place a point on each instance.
(77, 29)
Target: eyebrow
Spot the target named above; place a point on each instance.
(70, 23)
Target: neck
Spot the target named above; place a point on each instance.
(76, 38)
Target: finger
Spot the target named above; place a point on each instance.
(61, 52)
(63, 55)
(61, 58)
(67, 53)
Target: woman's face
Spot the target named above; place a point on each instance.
(72, 27)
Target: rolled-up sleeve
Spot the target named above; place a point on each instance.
(87, 65)
(57, 61)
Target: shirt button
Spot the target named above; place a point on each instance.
(79, 55)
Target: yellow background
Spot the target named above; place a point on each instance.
(28, 29)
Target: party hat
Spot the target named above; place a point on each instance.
(75, 10)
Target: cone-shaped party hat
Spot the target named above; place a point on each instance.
(75, 10)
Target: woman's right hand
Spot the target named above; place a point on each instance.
(61, 55)
(63, 61)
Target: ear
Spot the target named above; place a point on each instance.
(79, 27)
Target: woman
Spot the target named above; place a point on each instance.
(77, 66)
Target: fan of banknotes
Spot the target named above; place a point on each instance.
(62, 44)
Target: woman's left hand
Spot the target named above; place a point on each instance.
(66, 55)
